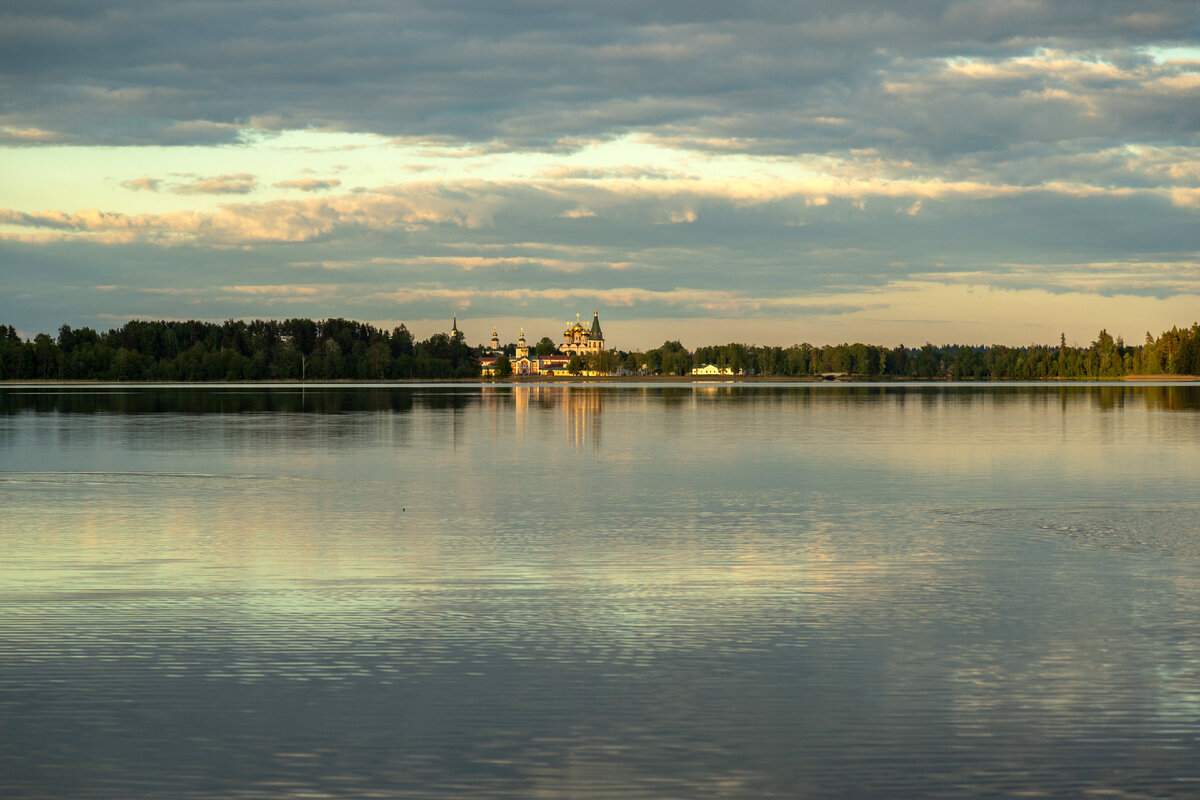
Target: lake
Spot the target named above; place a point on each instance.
(617, 591)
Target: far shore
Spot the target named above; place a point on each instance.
(527, 380)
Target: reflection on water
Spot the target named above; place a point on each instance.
(341, 398)
(735, 591)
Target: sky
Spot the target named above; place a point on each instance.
(770, 172)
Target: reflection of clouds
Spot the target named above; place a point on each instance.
(918, 430)
(739, 578)
(925, 429)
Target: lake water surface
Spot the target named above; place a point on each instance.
(600, 591)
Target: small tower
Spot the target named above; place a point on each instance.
(455, 333)
(595, 336)
(522, 347)
(495, 340)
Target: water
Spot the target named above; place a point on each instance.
(597, 592)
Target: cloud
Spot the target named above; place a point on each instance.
(1044, 148)
(138, 184)
(469, 263)
(172, 291)
(279, 291)
(309, 184)
(12, 135)
(1159, 278)
(281, 221)
(686, 299)
(773, 76)
(626, 172)
(198, 131)
(621, 205)
(238, 183)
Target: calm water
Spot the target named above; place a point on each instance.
(577, 592)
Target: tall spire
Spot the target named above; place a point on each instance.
(595, 332)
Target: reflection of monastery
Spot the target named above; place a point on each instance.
(577, 409)
(577, 341)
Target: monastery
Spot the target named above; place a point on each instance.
(577, 341)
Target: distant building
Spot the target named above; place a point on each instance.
(580, 341)
(494, 348)
(712, 369)
(577, 341)
(549, 366)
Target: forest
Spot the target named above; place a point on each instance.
(341, 349)
(235, 350)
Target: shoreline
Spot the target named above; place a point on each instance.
(705, 380)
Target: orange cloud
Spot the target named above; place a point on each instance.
(309, 184)
(139, 184)
(277, 291)
(239, 183)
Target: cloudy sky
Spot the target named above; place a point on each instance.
(773, 171)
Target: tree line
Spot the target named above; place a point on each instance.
(235, 350)
(1174, 352)
(340, 349)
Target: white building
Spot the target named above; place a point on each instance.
(712, 369)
